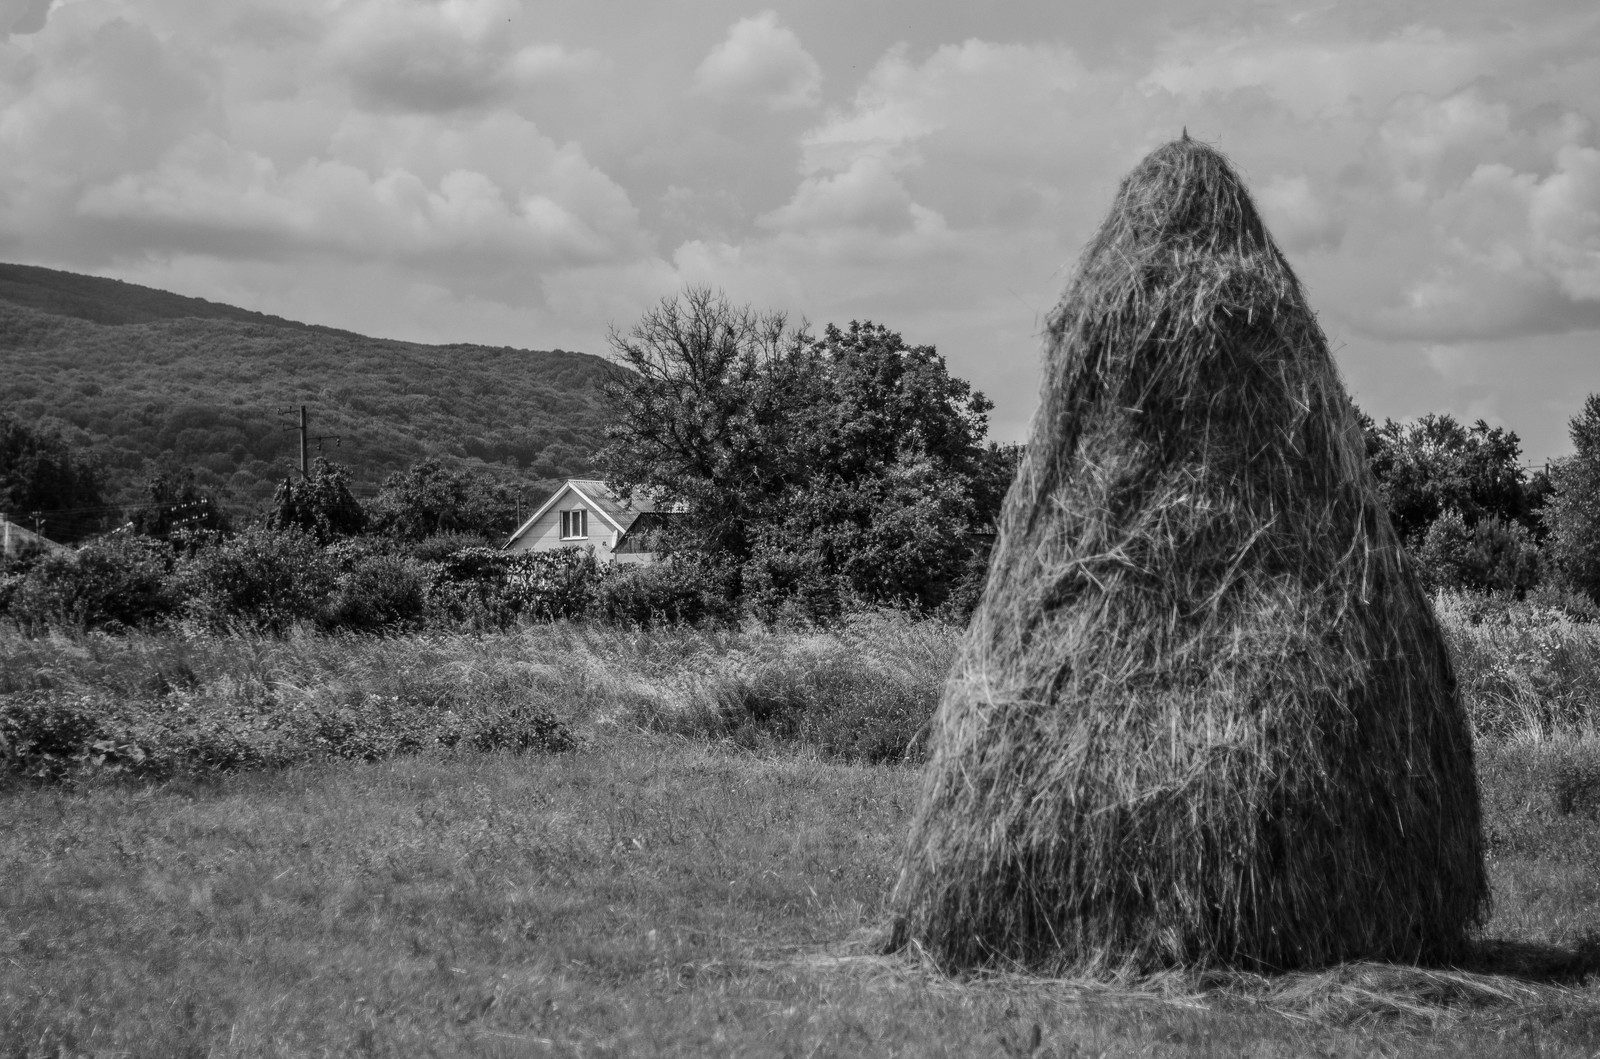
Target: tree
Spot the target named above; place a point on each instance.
(847, 465)
(1572, 513)
(321, 505)
(429, 498)
(703, 415)
(41, 475)
(174, 503)
(1435, 465)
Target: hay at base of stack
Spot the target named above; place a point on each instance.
(1204, 715)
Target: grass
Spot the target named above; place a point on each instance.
(685, 882)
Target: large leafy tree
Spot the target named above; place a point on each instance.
(320, 504)
(1434, 465)
(1572, 513)
(44, 481)
(704, 414)
(846, 464)
(429, 498)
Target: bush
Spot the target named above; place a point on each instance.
(263, 579)
(117, 582)
(376, 590)
(1491, 556)
(485, 587)
(792, 588)
(674, 591)
(835, 702)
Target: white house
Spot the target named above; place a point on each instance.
(586, 513)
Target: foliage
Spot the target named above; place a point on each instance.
(129, 373)
(120, 581)
(429, 499)
(375, 591)
(42, 475)
(849, 465)
(174, 505)
(1572, 514)
(1435, 465)
(262, 579)
(1491, 556)
(705, 414)
(489, 588)
(320, 505)
(675, 590)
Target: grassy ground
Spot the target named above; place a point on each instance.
(653, 893)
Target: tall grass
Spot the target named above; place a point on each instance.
(164, 702)
(1526, 671)
(864, 690)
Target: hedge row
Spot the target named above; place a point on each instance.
(268, 580)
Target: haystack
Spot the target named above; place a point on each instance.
(1204, 715)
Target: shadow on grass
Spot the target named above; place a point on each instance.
(1536, 963)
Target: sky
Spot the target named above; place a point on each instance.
(533, 174)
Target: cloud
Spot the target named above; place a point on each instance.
(23, 16)
(1298, 215)
(438, 56)
(761, 59)
(1501, 250)
(454, 220)
(866, 195)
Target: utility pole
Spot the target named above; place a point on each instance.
(306, 438)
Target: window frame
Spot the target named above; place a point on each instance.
(575, 524)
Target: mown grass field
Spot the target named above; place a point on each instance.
(704, 875)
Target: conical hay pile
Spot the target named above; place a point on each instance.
(1204, 714)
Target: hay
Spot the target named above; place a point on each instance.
(1204, 715)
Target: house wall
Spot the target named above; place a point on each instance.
(545, 535)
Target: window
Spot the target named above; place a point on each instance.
(574, 524)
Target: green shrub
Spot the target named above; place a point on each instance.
(1489, 556)
(834, 701)
(117, 582)
(520, 729)
(262, 579)
(42, 738)
(792, 588)
(377, 592)
(673, 591)
(488, 588)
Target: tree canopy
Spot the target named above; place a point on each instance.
(321, 504)
(45, 479)
(429, 498)
(847, 464)
(1572, 513)
(1434, 465)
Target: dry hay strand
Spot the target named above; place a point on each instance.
(1204, 715)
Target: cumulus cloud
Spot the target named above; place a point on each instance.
(442, 55)
(208, 195)
(761, 59)
(866, 195)
(1506, 250)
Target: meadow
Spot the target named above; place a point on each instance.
(573, 840)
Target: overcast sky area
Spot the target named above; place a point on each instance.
(527, 174)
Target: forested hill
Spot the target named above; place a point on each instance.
(149, 379)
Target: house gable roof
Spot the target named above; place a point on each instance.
(597, 496)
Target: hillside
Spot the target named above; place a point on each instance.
(147, 378)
